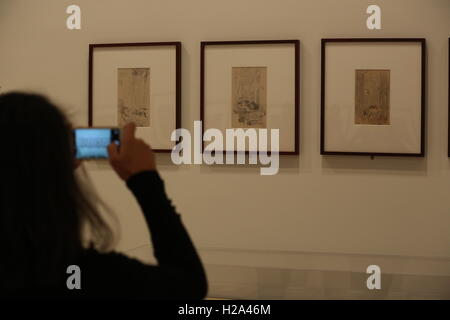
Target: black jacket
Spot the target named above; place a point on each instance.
(178, 275)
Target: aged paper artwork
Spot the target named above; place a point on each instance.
(249, 97)
(372, 97)
(133, 96)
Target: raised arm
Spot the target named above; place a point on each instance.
(179, 269)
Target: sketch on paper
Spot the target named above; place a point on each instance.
(133, 96)
(372, 97)
(249, 97)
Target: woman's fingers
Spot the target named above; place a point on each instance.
(113, 151)
(128, 132)
(134, 155)
(127, 137)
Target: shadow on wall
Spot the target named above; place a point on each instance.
(378, 165)
(238, 282)
(163, 161)
(287, 164)
(343, 278)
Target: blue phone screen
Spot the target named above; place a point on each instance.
(93, 143)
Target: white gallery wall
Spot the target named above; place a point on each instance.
(310, 231)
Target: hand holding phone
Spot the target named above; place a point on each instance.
(92, 143)
(133, 156)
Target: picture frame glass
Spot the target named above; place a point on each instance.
(372, 97)
(252, 86)
(136, 84)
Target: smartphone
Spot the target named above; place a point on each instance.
(92, 143)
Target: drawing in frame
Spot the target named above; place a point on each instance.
(252, 84)
(373, 96)
(140, 83)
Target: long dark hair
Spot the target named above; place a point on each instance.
(44, 211)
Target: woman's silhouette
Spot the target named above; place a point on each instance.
(48, 222)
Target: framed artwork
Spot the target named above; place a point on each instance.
(140, 83)
(373, 97)
(252, 84)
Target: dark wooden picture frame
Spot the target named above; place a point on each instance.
(175, 44)
(296, 44)
(422, 41)
(448, 88)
